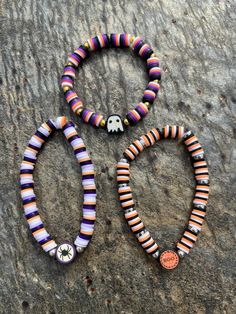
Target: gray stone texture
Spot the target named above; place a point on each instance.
(196, 43)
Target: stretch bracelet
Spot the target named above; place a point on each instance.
(114, 123)
(65, 252)
(169, 259)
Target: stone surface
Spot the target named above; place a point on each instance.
(197, 46)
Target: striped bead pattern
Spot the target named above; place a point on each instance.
(114, 40)
(27, 183)
(200, 199)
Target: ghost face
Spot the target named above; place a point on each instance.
(114, 124)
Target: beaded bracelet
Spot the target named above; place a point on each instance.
(169, 259)
(114, 123)
(65, 252)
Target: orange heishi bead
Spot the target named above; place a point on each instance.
(199, 213)
(183, 248)
(199, 201)
(89, 217)
(173, 131)
(133, 150)
(145, 140)
(191, 140)
(33, 218)
(129, 154)
(46, 126)
(190, 235)
(144, 237)
(149, 134)
(200, 194)
(128, 203)
(122, 165)
(200, 163)
(193, 147)
(153, 248)
(138, 227)
(38, 138)
(197, 152)
(201, 170)
(125, 197)
(197, 219)
(166, 131)
(195, 224)
(131, 214)
(156, 133)
(124, 189)
(187, 242)
(47, 243)
(180, 131)
(28, 205)
(202, 177)
(134, 221)
(38, 231)
(148, 243)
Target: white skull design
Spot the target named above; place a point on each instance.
(114, 124)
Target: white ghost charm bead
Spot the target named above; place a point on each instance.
(115, 124)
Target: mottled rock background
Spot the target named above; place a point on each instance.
(197, 46)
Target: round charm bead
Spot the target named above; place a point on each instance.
(169, 259)
(29, 198)
(65, 253)
(113, 124)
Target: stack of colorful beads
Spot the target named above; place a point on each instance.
(65, 253)
(169, 259)
(106, 41)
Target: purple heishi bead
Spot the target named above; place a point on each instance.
(67, 125)
(88, 176)
(74, 100)
(30, 171)
(152, 86)
(26, 186)
(122, 40)
(113, 40)
(72, 138)
(84, 51)
(34, 147)
(76, 57)
(90, 192)
(140, 111)
(91, 207)
(45, 240)
(85, 237)
(149, 98)
(138, 45)
(106, 40)
(37, 228)
(88, 222)
(29, 200)
(132, 119)
(96, 43)
(40, 135)
(92, 118)
(35, 213)
(51, 124)
(33, 160)
(88, 162)
(79, 150)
